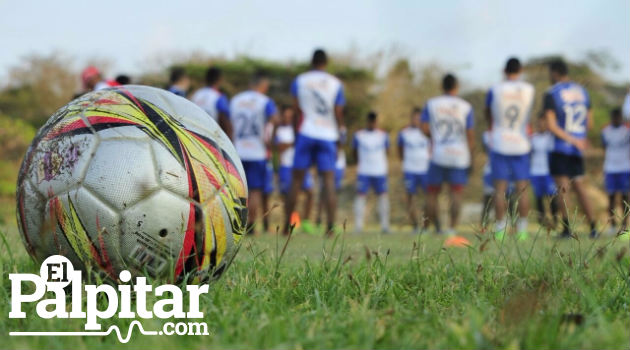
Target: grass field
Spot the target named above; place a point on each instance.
(394, 291)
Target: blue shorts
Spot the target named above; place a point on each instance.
(617, 182)
(309, 151)
(439, 174)
(268, 179)
(413, 181)
(509, 168)
(377, 183)
(339, 177)
(285, 177)
(543, 185)
(256, 174)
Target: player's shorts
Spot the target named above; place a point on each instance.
(439, 174)
(268, 179)
(561, 164)
(256, 174)
(339, 172)
(309, 151)
(509, 168)
(413, 181)
(285, 177)
(617, 182)
(543, 185)
(377, 183)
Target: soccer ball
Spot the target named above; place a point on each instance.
(133, 178)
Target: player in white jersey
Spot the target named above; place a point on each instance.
(508, 107)
(320, 99)
(213, 101)
(284, 142)
(626, 108)
(540, 179)
(448, 121)
(414, 151)
(370, 146)
(616, 140)
(251, 110)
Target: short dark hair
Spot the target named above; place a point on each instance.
(513, 65)
(559, 66)
(371, 116)
(319, 58)
(177, 74)
(213, 74)
(259, 76)
(416, 110)
(615, 112)
(449, 82)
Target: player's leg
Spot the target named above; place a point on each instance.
(304, 151)
(307, 189)
(363, 185)
(564, 185)
(254, 173)
(254, 204)
(576, 170)
(380, 188)
(320, 202)
(424, 214)
(457, 179)
(326, 157)
(609, 182)
(501, 173)
(523, 208)
(410, 188)
(435, 179)
(266, 196)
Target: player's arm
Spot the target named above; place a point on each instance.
(424, 121)
(223, 110)
(488, 110)
(296, 105)
(273, 119)
(355, 148)
(340, 102)
(401, 148)
(553, 127)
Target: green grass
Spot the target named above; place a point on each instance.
(395, 291)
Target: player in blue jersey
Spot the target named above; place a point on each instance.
(568, 114)
(213, 101)
(319, 98)
(251, 110)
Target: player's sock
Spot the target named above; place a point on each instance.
(521, 229)
(383, 211)
(500, 227)
(540, 206)
(359, 212)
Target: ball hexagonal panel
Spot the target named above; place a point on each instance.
(171, 173)
(121, 172)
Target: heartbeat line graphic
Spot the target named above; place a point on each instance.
(111, 329)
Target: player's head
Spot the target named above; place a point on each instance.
(123, 79)
(558, 70)
(179, 77)
(615, 116)
(371, 120)
(213, 76)
(90, 76)
(450, 84)
(512, 67)
(260, 82)
(287, 115)
(320, 59)
(415, 116)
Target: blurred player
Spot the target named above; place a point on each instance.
(616, 140)
(568, 114)
(508, 107)
(251, 111)
(179, 81)
(320, 99)
(448, 121)
(92, 80)
(123, 79)
(370, 146)
(215, 103)
(284, 142)
(542, 183)
(268, 188)
(414, 151)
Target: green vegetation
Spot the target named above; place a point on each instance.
(396, 291)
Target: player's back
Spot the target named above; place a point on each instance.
(285, 134)
(571, 104)
(510, 104)
(207, 99)
(542, 144)
(617, 143)
(318, 93)
(416, 150)
(449, 117)
(249, 114)
(371, 146)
